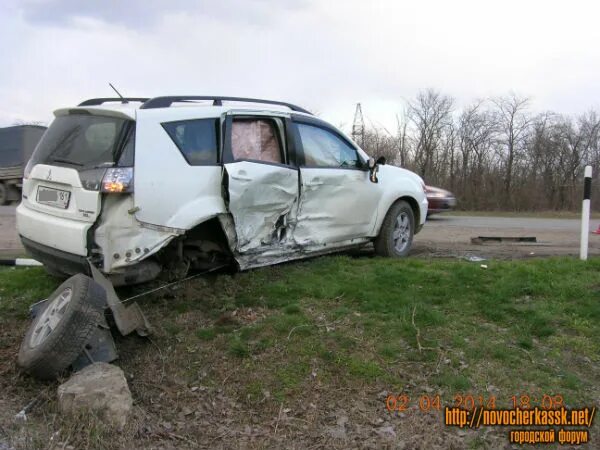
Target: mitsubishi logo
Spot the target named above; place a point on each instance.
(49, 177)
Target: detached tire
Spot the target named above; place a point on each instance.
(60, 332)
(397, 231)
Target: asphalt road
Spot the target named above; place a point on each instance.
(443, 235)
(8, 210)
(526, 223)
(447, 235)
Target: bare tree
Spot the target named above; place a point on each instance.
(494, 153)
(402, 138)
(477, 134)
(430, 113)
(514, 123)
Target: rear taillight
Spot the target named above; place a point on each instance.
(118, 180)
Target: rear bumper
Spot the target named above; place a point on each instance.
(70, 264)
(66, 235)
(64, 262)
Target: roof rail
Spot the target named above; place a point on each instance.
(165, 102)
(100, 101)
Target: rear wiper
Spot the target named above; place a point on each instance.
(104, 165)
(66, 161)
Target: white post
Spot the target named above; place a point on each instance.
(585, 213)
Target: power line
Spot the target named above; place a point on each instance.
(358, 126)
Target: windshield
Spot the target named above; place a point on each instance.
(83, 141)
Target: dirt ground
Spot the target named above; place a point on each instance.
(442, 236)
(331, 415)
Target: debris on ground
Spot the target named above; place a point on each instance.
(100, 388)
(21, 416)
(474, 258)
(483, 239)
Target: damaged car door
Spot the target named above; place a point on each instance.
(260, 184)
(338, 202)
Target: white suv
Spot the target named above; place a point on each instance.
(141, 187)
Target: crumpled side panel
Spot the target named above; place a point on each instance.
(262, 200)
(255, 139)
(123, 240)
(335, 205)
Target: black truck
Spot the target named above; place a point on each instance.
(16, 146)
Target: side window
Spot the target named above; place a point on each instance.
(323, 148)
(196, 140)
(255, 139)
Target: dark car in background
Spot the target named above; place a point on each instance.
(440, 200)
(16, 146)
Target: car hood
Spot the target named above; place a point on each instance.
(404, 172)
(436, 190)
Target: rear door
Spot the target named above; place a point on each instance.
(338, 202)
(260, 182)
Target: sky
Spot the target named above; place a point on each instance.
(323, 55)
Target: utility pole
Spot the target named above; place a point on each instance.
(585, 213)
(358, 126)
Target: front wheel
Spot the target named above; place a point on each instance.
(397, 231)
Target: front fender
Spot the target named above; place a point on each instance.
(396, 184)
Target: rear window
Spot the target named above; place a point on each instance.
(195, 139)
(84, 141)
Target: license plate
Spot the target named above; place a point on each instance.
(53, 197)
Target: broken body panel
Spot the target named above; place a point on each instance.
(269, 212)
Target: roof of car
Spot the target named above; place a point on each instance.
(127, 107)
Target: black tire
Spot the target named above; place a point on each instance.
(3, 194)
(385, 242)
(82, 314)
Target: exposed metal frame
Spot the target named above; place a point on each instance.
(127, 318)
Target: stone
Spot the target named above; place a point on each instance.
(100, 388)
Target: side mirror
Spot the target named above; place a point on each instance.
(373, 169)
(381, 160)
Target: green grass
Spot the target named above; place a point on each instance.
(20, 287)
(445, 325)
(356, 316)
